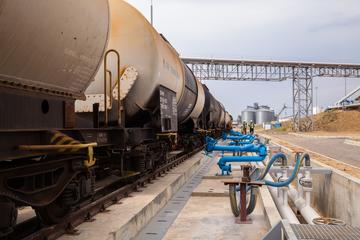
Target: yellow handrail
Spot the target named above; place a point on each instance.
(118, 86)
(88, 162)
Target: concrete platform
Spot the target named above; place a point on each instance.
(208, 215)
(211, 188)
(213, 184)
(211, 218)
(215, 171)
(125, 220)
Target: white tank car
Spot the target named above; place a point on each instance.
(156, 62)
(52, 47)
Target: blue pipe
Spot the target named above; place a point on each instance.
(227, 168)
(237, 143)
(243, 142)
(226, 136)
(260, 149)
(271, 162)
(238, 138)
(234, 148)
(299, 161)
(236, 133)
(211, 145)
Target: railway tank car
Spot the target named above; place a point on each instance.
(157, 62)
(67, 127)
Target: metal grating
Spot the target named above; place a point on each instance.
(325, 232)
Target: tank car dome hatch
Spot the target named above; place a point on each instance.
(45, 53)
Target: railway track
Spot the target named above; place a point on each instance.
(33, 228)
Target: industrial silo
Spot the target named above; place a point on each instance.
(248, 115)
(264, 115)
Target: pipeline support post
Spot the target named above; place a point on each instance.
(243, 219)
(243, 216)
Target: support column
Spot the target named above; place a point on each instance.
(302, 100)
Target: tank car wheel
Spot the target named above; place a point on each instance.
(8, 218)
(52, 213)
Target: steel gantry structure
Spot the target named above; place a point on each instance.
(301, 74)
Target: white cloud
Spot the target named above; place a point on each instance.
(299, 30)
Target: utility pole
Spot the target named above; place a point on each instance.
(316, 99)
(345, 86)
(151, 13)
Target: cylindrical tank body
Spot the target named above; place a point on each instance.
(206, 110)
(52, 47)
(200, 102)
(156, 61)
(248, 115)
(214, 113)
(222, 116)
(264, 115)
(192, 101)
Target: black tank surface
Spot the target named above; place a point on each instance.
(188, 100)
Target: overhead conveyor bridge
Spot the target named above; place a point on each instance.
(301, 73)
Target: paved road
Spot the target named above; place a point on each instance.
(334, 148)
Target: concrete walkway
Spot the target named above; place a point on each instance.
(207, 214)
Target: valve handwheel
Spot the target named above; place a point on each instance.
(328, 221)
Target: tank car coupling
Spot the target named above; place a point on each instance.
(171, 137)
(203, 132)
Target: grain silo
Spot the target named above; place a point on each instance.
(248, 115)
(264, 115)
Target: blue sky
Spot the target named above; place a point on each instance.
(296, 30)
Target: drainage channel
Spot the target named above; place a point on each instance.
(160, 223)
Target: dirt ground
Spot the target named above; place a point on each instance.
(337, 121)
